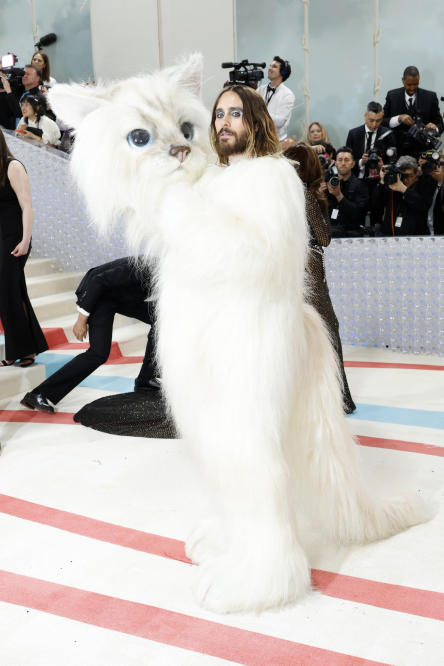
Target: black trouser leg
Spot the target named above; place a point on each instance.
(100, 325)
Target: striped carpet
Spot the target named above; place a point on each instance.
(92, 565)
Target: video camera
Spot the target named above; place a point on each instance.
(246, 73)
(13, 74)
(432, 162)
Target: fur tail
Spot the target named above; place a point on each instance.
(331, 482)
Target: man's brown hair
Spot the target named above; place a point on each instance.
(262, 138)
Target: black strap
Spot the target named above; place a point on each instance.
(270, 93)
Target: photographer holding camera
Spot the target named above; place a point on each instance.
(278, 98)
(369, 143)
(404, 196)
(431, 162)
(12, 95)
(409, 106)
(347, 196)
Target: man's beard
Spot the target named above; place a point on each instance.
(225, 148)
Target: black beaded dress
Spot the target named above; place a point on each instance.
(318, 295)
(23, 335)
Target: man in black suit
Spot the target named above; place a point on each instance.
(115, 287)
(403, 105)
(370, 138)
(406, 202)
(346, 201)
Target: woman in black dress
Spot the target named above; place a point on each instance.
(23, 335)
(310, 172)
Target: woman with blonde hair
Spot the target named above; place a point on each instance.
(317, 136)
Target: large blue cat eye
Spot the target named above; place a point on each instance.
(187, 130)
(139, 138)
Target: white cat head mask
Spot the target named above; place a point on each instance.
(134, 138)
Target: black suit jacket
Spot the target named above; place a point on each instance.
(426, 106)
(119, 281)
(412, 207)
(356, 141)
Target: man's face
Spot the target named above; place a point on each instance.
(30, 78)
(373, 120)
(344, 164)
(274, 73)
(410, 84)
(231, 133)
(409, 177)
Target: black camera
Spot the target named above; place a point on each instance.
(331, 176)
(323, 160)
(13, 74)
(373, 157)
(391, 172)
(426, 139)
(432, 161)
(245, 72)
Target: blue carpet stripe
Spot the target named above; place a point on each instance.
(399, 415)
(365, 412)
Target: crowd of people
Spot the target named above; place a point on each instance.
(386, 178)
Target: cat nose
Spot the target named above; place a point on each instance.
(180, 152)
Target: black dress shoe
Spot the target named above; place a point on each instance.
(37, 401)
(151, 385)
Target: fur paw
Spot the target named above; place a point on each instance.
(229, 583)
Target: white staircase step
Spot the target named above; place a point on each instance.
(46, 285)
(54, 306)
(132, 338)
(16, 380)
(41, 266)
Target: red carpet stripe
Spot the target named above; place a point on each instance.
(399, 445)
(168, 627)
(384, 595)
(95, 529)
(35, 416)
(395, 366)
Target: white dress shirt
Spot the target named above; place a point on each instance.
(394, 122)
(360, 164)
(280, 106)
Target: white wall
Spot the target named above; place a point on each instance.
(142, 35)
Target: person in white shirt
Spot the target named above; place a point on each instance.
(278, 98)
(33, 117)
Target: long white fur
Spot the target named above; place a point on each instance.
(247, 366)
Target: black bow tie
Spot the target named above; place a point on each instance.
(270, 89)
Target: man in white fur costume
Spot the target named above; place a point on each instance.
(247, 366)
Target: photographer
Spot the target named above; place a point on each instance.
(404, 106)
(12, 95)
(347, 197)
(404, 196)
(278, 98)
(431, 162)
(369, 143)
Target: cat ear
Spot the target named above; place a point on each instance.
(188, 72)
(72, 103)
